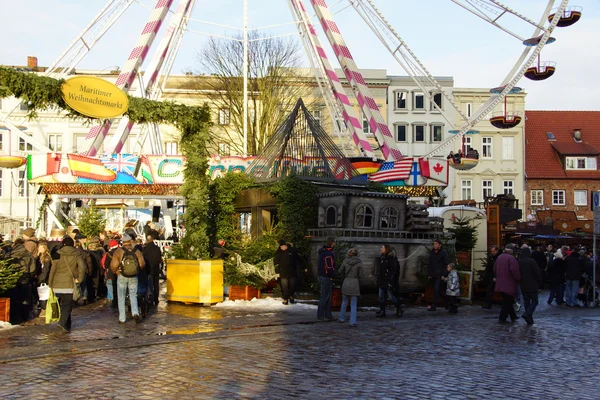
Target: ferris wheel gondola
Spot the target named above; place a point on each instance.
(569, 16)
(9, 160)
(466, 157)
(505, 119)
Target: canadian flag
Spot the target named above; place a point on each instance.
(434, 169)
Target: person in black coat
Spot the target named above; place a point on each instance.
(286, 265)
(540, 258)
(531, 280)
(153, 258)
(438, 261)
(489, 275)
(387, 269)
(574, 267)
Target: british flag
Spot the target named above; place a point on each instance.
(121, 163)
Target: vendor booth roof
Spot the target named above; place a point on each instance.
(302, 148)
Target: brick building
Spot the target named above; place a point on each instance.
(561, 161)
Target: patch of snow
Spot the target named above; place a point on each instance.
(6, 325)
(270, 304)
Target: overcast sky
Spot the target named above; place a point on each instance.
(449, 40)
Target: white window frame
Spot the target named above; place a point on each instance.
(405, 133)
(466, 188)
(397, 99)
(24, 146)
(487, 143)
(224, 116)
(432, 128)
(172, 148)
(414, 138)
(224, 149)
(536, 197)
(508, 187)
(414, 100)
(23, 184)
(580, 200)
(508, 148)
(432, 102)
(390, 215)
(55, 141)
(573, 163)
(468, 143)
(559, 197)
(487, 190)
(317, 115)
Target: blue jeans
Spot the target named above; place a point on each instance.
(557, 290)
(324, 310)
(572, 289)
(353, 303)
(390, 295)
(109, 289)
(124, 283)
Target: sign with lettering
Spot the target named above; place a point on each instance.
(94, 97)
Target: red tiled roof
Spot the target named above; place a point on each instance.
(542, 161)
(575, 149)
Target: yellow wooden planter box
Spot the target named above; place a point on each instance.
(195, 281)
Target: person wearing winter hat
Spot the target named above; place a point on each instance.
(30, 241)
(285, 261)
(556, 276)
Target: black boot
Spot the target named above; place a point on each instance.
(399, 310)
(381, 312)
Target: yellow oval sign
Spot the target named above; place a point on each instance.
(94, 97)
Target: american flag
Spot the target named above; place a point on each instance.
(121, 163)
(393, 171)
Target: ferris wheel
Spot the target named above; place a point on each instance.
(537, 34)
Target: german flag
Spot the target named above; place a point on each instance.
(365, 165)
(90, 168)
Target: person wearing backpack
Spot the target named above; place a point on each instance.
(126, 264)
(66, 272)
(110, 276)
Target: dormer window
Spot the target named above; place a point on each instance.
(588, 163)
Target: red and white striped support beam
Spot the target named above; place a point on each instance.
(352, 122)
(363, 94)
(153, 71)
(130, 69)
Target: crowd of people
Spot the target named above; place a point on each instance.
(518, 273)
(80, 270)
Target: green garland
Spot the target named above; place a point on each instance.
(42, 211)
(42, 93)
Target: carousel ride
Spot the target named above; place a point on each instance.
(556, 13)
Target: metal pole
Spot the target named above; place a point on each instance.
(594, 273)
(245, 66)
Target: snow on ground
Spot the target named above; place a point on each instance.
(6, 325)
(265, 305)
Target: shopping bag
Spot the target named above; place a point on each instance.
(52, 308)
(76, 291)
(43, 291)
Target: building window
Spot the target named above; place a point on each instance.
(581, 163)
(436, 133)
(508, 187)
(389, 218)
(581, 198)
(419, 133)
(418, 101)
(486, 147)
(436, 101)
(537, 197)
(331, 216)
(55, 142)
(223, 116)
(224, 149)
(558, 198)
(363, 217)
(508, 151)
(23, 185)
(366, 126)
(468, 110)
(171, 148)
(317, 116)
(487, 189)
(25, 146)
(400, 101)
(400, 133)
(468, 143)
(466, 190)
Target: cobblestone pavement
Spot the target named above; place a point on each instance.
(182, 352)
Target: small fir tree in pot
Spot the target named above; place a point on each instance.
(465, 234)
